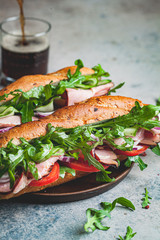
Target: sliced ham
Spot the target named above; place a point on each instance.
(22, 183)
(143, 136)
(139, 135)
(119, 141)
(5, 187)
(156, 130)
(78, 95)
(12, 121)
(106, 156)
(102, 89)
(44, 167)
(151, 137)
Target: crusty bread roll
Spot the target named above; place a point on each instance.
(89, 111)
(28, 82)
(92, 110)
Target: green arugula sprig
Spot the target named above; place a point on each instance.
(103, 177)
(145, 199)
(94, 216)
(136, 159)
(138, 116)
(158, 102)
(64, 170)
(156, 149)
(77, 80)
(25, 103)
(115, 88)
(129, 234)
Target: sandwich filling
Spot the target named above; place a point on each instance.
(89, 148)
(44, 100)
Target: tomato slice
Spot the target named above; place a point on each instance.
(51, 177)
(82, 165)
(133, 152)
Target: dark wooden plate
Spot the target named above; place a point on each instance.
(78, 189)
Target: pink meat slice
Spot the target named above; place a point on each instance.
(78, 95)
(12, 121)
(151, 137)
(106, 156)
(5, 187)
(143, 137)
(43, 168)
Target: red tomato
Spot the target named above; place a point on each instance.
(51, 177)
(81, 165)
(133, 152)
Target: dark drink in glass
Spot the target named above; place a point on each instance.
(28, 58)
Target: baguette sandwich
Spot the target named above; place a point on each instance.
(87, 137)
(33, 97)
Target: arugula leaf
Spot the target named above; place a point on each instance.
(156, 149)
(94, 216)
(103, 177)
(129, 234)
(136, 159)
(27, 112)
(64, 170)
(99, 71)
(124, 202)
(115, 88)
(158, 102)
(92, 161)
(12, 178)
(33, 169)
(79, 63)
(138, 116)
(145, 199)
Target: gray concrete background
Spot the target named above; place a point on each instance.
(124, 37)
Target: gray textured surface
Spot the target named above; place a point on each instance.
(124, 36)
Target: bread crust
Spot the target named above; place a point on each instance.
(95, 107)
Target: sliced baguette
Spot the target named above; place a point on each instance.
(92, 110)
(28, 82)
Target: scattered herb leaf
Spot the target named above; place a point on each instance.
(145, 199)
(94, 216)
(129, 234)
